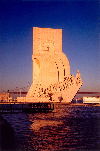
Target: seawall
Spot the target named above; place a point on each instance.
(6, 135)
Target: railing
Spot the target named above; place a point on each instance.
(27, 107)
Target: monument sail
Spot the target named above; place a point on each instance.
(51, 70)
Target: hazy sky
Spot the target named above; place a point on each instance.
(79, 21)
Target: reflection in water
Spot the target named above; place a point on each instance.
(68, 127)
(42, 123)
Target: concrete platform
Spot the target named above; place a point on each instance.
(26, 107)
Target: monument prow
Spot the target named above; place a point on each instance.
(52, 81)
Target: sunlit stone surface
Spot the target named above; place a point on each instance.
(51, 70)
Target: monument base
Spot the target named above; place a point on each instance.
(64, 96)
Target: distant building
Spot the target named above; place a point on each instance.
(5, 97)
(95, 99)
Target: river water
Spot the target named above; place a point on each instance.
(68, 127)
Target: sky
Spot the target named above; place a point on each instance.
(79, 21)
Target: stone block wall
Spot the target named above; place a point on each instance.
(50, 64)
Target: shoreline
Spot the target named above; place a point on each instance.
(64, 103)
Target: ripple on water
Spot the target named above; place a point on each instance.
(67, 127)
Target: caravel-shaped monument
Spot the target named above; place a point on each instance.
(51, 70)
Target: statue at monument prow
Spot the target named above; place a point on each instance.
(51, 70)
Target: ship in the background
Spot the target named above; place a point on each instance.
(51, 70)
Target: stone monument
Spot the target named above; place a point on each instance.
(51, 70)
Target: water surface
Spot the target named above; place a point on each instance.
(67, 127)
